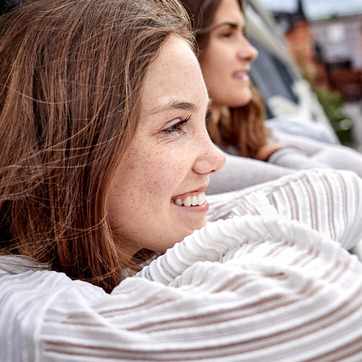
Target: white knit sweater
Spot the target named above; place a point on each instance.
(249, 288)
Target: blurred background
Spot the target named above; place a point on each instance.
(309, 67)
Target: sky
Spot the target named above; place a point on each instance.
(317, 8)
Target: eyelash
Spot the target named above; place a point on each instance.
(178, 127)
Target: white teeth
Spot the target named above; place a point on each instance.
(187, 201)
(241, 75)
(201, 198)
(195, 200)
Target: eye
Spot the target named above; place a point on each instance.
(227, 34)
(178, 127)
(228, 31)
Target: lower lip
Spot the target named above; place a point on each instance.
(198, 209)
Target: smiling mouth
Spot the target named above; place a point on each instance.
(241, 75)
(189, 201)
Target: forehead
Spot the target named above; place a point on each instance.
(175, 75)
(229, 10)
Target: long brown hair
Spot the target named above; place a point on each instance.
(243, 127)
(71, 74)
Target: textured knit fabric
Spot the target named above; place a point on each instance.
(257, 286)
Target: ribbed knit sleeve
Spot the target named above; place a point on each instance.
(327, 200)
(248, 288)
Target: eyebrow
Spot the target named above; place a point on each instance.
(224, 23)
(220, 25)
(174, 104)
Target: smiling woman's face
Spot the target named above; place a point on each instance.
(226, 60)
(157, 195)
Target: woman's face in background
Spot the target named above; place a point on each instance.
(157, 195)
(225, 62)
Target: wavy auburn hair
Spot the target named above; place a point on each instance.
(243, 127)
(71, 74)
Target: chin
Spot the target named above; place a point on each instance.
(192, 228)
(170, 241)
(242, 98)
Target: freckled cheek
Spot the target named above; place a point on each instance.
(165, 172)
(163, 177)
(151, 176)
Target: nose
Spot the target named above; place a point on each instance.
(210, 160)
(246, 51)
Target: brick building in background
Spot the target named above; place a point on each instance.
(340, 48)
(329, 51)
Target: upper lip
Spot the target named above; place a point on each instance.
(195, 191)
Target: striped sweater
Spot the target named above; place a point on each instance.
(269, 281)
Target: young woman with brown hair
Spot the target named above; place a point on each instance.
(237, 124)
(104, 161)
(70, 103)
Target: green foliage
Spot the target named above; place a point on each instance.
(332, 104)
